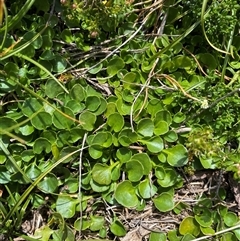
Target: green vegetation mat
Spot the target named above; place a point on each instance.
(120, 120)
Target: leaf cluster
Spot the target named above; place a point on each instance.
(94, 113)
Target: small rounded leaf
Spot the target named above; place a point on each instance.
(189, 226)
(125, 194)
(92, 103)
(146, 189)
(177, 156)
(204, 218)
(59, 64)
(40, 145)
(160, 128)
(145, 127)
(117, 228)
(157, 236)
(135, 170)
(145, 160)
(114, 66)
(115, 121)
(77, 92)
(42, 120)
(63, 119)
(66, 205)
(88, 120)
(164, 202)
(101, 174)
(154, 144)
(230, 219)
(31, 106)
(48, 184)
(53, 89)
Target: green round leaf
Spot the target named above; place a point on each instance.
(145, 160)
(169, 178)
(182, 62)
(154, 106)
(77, 92)
(88, 120)
(31, 106)
(26, 129)
(40, 145)
(103, 106)
(63, 121)
(135, 170)
(145, 127)
(97, 223)
(101, 174)
(154, 144)
(53, 89)
(47, 55)
(124, 154)
(172, 235)
(115, 121)
(59, 64)
(164, 202)
(171, 136)
(32, 171)
(127, 137)
(48, 184)
(65, 205)
(208, 59)
(117, 228)
(42, 120)
(50, 135)
(97, 187)
(188, 237)
(157, 236)
(207, 230)
(5, 176)
(72, 185)
(95, 151)
(160, 172)
(82, 224)
(146, 189)
(75, 106)
(67, 36)
(95, 70)
(229, 236)
(125, 194)
(230, 219)
(11, 69)
(103, 139)
(6, 122)
(92, 103)
(27, 155)
(160, 128)
(189, 226)
(114, 65)
(163, 115)
(179, 117)
(205, 218)
(177, 156)
(237, 233)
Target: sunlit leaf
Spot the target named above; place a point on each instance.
(66, 205)
(189, 226)
(177, 156)
(101, 174)
(114, 65)
(125, 194)
(164, 202)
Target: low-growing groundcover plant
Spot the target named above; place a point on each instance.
(113, 105)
